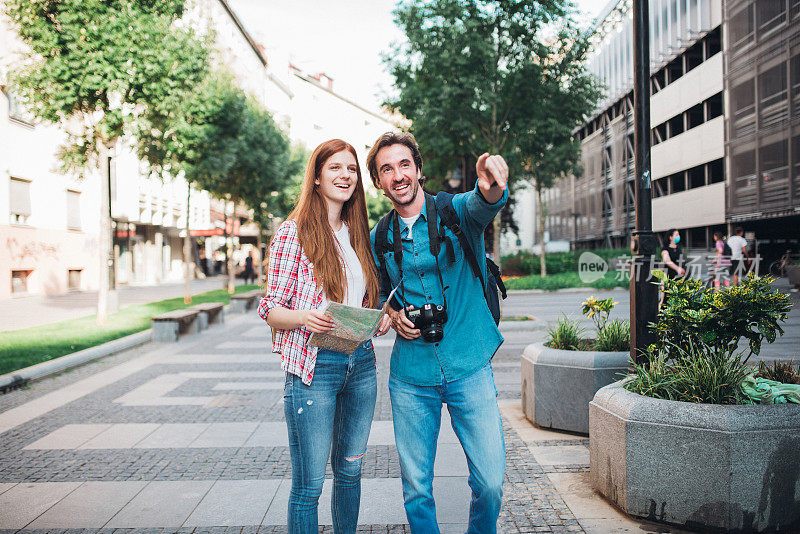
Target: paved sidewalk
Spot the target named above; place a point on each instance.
(190, 437)
(25, 312)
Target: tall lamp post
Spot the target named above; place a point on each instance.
(644, 294)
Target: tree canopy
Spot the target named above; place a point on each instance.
(105, 69)
(464, 77)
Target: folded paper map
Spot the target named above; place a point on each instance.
(352, 327)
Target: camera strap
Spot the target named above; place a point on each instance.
(434, 244)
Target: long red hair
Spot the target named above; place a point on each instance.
(316, 234)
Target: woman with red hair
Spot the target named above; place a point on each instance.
(322, 253)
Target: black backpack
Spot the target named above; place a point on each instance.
(493, 287)
(726, 249)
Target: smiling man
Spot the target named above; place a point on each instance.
(446, 333)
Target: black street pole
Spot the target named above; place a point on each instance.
(644, 294)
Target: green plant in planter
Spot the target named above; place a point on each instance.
(612, 336)
(695, 314)
(785, 372)
(696, 357)
(566, 335)
(695, 373)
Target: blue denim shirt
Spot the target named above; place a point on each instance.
(470, 336)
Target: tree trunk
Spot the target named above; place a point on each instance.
(106, 298)
(187, 258)
(542, 252)
(229, 245)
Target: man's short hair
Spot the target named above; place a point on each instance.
(388, 139)
(738, 230)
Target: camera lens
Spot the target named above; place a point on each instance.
(433, 333)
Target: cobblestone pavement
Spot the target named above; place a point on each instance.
(187, 437)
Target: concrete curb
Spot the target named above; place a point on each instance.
(20, 377)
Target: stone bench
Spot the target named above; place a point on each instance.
(210, 313)
(167, 327)
(243, 302)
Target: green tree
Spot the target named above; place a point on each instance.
(99, 67)
(566, 93)
(468, 77)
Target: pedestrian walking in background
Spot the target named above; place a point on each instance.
(672, 257)
(321, 253)
(722, 260)
(249, 272)
(739, 254)
(444, 356)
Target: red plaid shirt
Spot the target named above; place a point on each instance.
(291, 284)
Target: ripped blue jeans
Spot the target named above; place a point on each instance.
(332, 417)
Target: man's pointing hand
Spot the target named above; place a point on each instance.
(492, 176)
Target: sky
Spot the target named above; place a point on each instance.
(344, 38)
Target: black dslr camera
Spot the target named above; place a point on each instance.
(429, 320)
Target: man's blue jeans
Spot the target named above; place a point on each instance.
(331, 416)
(472, 403)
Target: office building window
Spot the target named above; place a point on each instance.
(19, 200)
(770, 14)
(716, 171)
(19, 281)
(73, 210)
(774, 161)
(714, 107)
(741, 25)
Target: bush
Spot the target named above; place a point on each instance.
(699, 329)
(784, 372)
(563, 281)
(566, 335)
(693, 314)
(527, 263)
(614, 337)
(696, 373)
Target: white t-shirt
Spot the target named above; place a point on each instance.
(410, 223)
(355, 285)
(737, 242)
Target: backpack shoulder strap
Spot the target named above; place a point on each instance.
(444, 205)
(381, 235)
(382, 247)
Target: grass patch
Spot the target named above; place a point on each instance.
(29, 346)
(565, 280)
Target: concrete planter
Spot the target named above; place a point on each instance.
(703, 466)
(793, 274)
(557, 385)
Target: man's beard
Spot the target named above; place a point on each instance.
(412, 198)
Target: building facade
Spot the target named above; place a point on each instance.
(721, 98)
(49, 222)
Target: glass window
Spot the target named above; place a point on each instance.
(741, 25)
(73, 210)
(19, 281)
(716, 171)
(697, 177)
(770, 14)
(695, 116)
(744, 164)
(743, 98)
(19, 200)
(774, 156)
(74, 279)
(714, 107)
(772, 85)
